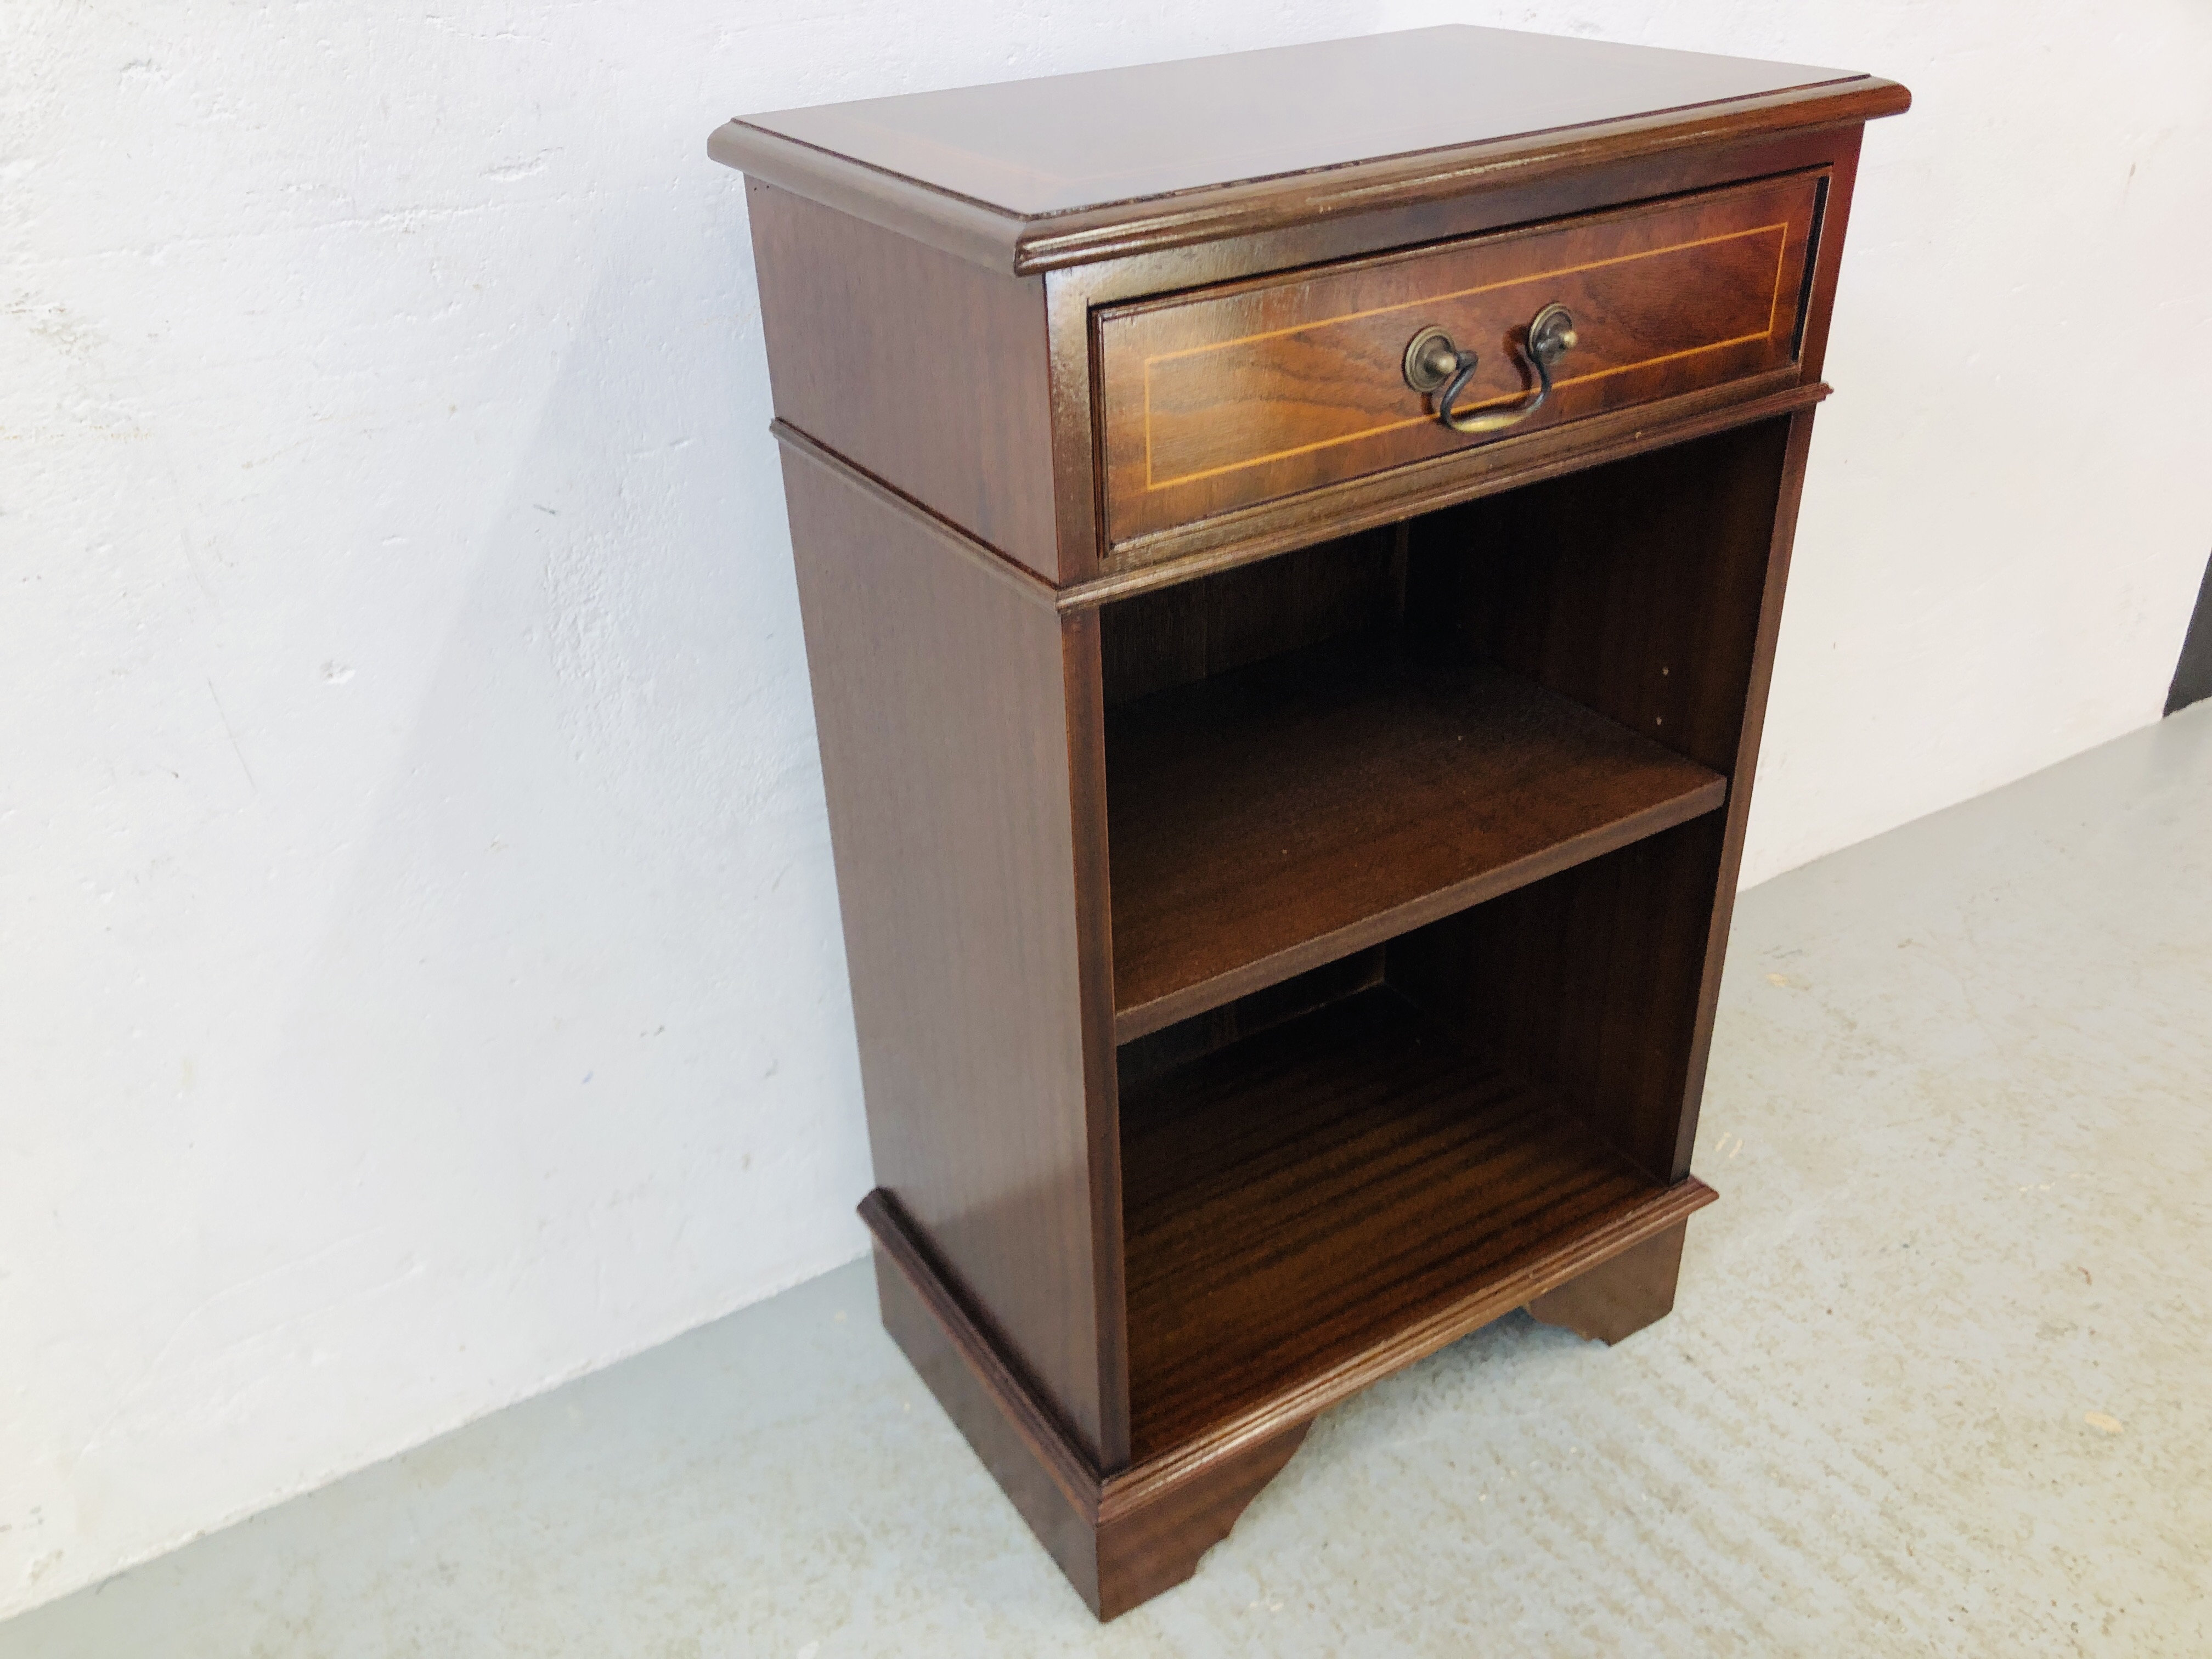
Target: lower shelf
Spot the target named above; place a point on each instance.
(1292, 1202)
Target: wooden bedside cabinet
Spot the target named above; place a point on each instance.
(1290, 546)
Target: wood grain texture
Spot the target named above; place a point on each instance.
(1298, 810)
(1122, 1538)
(1153, 1054)
(1182, 635)
(1636, 590)
(1083, 699)
(1494, 464)
(1075, 460)
(1416, 182)
(1421, 1332)
(1028, 175)
(1117, 1548)
(867, 331)
(1616, 1299)
(1064, 142)
(1352, 505)
(1496, 202)
(1052, 1487)
(1504, 201)
(1655, 597)
(1382, 503)
(1588, 983)
(1219, 400)
(1284, 929)
(960, 542)
(1146, 1548)
(1642, 592)
(939, 695)
(1294, 1198)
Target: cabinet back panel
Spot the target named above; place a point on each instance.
(1196, 629)
(1141, 1059)
(1634, 589)
(1587, 982)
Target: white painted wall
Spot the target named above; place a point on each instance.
(419, 972)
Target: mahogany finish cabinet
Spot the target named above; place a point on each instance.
(1290, 546)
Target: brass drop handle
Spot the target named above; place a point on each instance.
(1435, 364)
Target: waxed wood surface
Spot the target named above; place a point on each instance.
(867, 330)
(1066, 141)
(1650, 590)
(939, 699)
(1613, 1301)
(1300, 1194)
(1289, 1193)
(1268, 819)
(1226, 399)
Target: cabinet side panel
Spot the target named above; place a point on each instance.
(1085, 678)
(927, 370)
(939, 702)
(1781, 539)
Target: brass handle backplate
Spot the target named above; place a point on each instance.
(1434, 366)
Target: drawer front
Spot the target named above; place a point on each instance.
(1258, 390)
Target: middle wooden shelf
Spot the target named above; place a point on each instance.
(1264, 821)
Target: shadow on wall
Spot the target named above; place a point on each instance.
(2192, 676)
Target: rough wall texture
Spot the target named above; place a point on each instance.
(419, 971)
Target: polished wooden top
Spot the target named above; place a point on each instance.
(1068, 142)
(1055, 151)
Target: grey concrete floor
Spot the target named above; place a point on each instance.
(1939, 1379)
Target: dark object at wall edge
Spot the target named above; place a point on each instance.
(2192, 674)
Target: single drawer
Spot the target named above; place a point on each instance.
(1258, 390)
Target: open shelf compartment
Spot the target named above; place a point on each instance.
(1310, 1170)
(1293, 1200)
(1415, 853)
(1319, 751)
(1287, 813)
